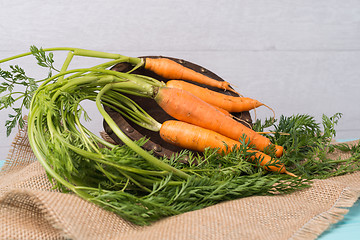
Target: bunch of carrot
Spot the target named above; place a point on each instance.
(204, 115)
(207, 113)
(128, 179)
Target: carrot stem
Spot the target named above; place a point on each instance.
(66, 64)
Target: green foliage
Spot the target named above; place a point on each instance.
(14, 79)
(21, 87)
(308, 144)
(135, 184)
(43, 60)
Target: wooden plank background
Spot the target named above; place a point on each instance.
(296, 56)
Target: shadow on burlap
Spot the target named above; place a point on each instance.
(31, 209)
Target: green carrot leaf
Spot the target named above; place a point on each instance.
(43, 60)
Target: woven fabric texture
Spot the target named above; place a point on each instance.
(31, 209)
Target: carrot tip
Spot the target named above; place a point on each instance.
(232, 90)
(290, 174)
(272, 110)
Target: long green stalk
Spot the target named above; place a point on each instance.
(129, 109)
(150, 158)
(66, 64)
(30, 53)
(80, 52)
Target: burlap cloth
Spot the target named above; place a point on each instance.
(31, 209)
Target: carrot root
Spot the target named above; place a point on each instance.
(242, 121)
(170, 69)
(186, 107)
(271, 109)
(290, 174)
(218, 99)
(197, 138)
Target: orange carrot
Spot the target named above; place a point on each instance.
(169, 69)
(223, 111)
(186, 107)
(230, 115)
(227, 102)
(196, 138)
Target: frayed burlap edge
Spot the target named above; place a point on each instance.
(323, 221)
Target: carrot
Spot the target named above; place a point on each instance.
(223, 111)
(169, 69)
(186, 107)
(227, 102)
(196, 138)
(230, 115)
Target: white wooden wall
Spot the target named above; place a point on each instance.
(297, 56)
